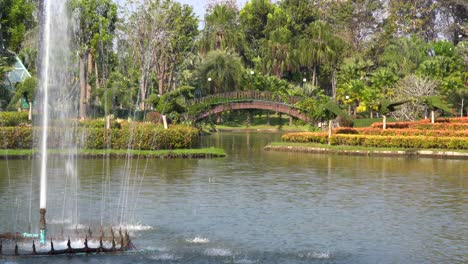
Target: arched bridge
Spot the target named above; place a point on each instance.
(241, 100)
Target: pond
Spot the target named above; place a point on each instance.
(255, 206)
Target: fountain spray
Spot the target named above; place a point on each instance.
(45, 122)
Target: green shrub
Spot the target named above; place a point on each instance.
(136, 136)
(98, 123)
(10, 119)
(423, 142)
(16, 137)
(380, 141)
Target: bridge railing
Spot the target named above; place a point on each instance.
(245, 96)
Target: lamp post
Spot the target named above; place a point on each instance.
(304, 80)
(349, 105)
(209, 84)
(251, 76)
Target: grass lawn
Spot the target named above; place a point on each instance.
(171, 153)
(236, 121)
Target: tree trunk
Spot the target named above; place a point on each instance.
(371, 114)
(333, 84)
(432, 116)
(314, 75)
(30, 111)
(96, 73)
(330, 124)
(142, 92)
(164, 118)
(461, 110)
(108, 121)
(384, 126)
(89, 87)
(82, 86)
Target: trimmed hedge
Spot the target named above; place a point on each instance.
(401, 132)
(400, 141)
(9, 119)
(440, 123)
(425, 142)
(141, 137)
(304, 137)
(441, 126)
(97, 123)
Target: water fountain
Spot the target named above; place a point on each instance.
(55, 132)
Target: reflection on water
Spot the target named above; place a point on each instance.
(273, 207)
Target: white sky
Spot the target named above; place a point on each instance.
(199, 6)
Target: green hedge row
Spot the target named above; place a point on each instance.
(141, 137)
(13, 118)
(401, 132)
(425, 142)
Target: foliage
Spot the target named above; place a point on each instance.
(360, 53)
(138, 137)
(435, 103)
(221, 30)
(221, 72)
(392, 141)
(402, 132)
(12, 119)
(16, 17)
(26, 90)
(97, 123)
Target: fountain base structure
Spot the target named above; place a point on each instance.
(122, 243)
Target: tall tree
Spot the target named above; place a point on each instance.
(16, 17)
(405, 54)
(414, 17)
(221, 72)
(221, 30)
(94, 32)
(161, 34)
(356, 22)
(317, 46)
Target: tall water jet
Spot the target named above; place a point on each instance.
(56, 106)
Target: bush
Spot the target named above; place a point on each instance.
(402, 132)
(16, 137)
(381, 141)
(305, 137)
(440, 123)
(400, 141)
(98, 123)
(135, 136)
(10, 119)
(441, 126)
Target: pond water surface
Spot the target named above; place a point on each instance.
(255, 206)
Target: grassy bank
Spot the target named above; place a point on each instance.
(239, 122)
(367, 151)
(122, 153)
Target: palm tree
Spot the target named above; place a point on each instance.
(27, 91)
(221, 72)
(434, 103)
(278, 52)
(319, 45)
(221, 30)
(384, 107)
(330, 110)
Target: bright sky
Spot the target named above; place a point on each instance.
(199, 6)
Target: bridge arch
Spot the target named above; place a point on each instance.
(263, 105)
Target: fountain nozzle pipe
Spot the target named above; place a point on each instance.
(42, 226)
